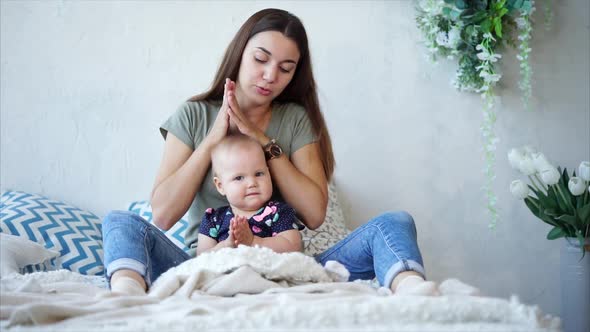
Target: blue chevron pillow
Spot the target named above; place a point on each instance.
(75, 233)
(175, 234)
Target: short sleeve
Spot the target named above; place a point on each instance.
(303, 132)
(208, 226)
(184, 124)
(285, 219)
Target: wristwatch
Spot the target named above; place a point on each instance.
(272, 150)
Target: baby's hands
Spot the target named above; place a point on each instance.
(230, 242)
(240, 229)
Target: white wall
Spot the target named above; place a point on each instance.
(85, 85)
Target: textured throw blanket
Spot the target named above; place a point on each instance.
(247, 270)
(270, 292)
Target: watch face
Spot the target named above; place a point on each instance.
(275, 150)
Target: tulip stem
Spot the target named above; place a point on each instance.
(535, 204)
(534, 185)
(540, 182)
(567, 201)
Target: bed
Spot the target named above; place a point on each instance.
(52, 279)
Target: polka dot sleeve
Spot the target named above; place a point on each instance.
(208, 226)
(286, 219)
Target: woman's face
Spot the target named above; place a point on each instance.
(268, 65)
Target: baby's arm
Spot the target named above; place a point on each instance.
(206, 244)
(286, 241)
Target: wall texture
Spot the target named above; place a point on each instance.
(85, 85)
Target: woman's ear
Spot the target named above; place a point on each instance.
(218, 185)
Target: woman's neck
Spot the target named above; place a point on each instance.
(259, 115)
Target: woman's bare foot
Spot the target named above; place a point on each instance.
(127, 282)
(412, 283)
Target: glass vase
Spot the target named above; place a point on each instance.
(575, 286)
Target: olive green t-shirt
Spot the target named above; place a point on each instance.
(289, 125)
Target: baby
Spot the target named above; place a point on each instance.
(242, 175)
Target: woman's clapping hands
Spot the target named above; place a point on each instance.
(221, 126)
(231, 118)
(238, 119)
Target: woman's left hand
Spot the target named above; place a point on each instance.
(241, 122)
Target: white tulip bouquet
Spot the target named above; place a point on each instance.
(552, 195)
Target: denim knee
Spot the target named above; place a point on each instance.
(401, 218)
(117, 216)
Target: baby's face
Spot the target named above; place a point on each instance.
(244, 178)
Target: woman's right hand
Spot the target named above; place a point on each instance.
(183, 169)
(220, 127)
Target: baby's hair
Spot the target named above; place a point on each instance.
(229, 142)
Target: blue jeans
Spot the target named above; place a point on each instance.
(383, 247)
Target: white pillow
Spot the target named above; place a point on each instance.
(16, 253)
(330, 232)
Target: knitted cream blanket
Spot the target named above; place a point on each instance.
(247, 270)
(289, 292)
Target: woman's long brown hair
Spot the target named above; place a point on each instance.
(301, 89)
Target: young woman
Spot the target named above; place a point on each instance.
(265, 89)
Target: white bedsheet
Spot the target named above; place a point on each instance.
(290, 292)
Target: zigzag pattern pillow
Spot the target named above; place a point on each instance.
(75, 233)
(175, 234)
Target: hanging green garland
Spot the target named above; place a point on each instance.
(475, 32)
